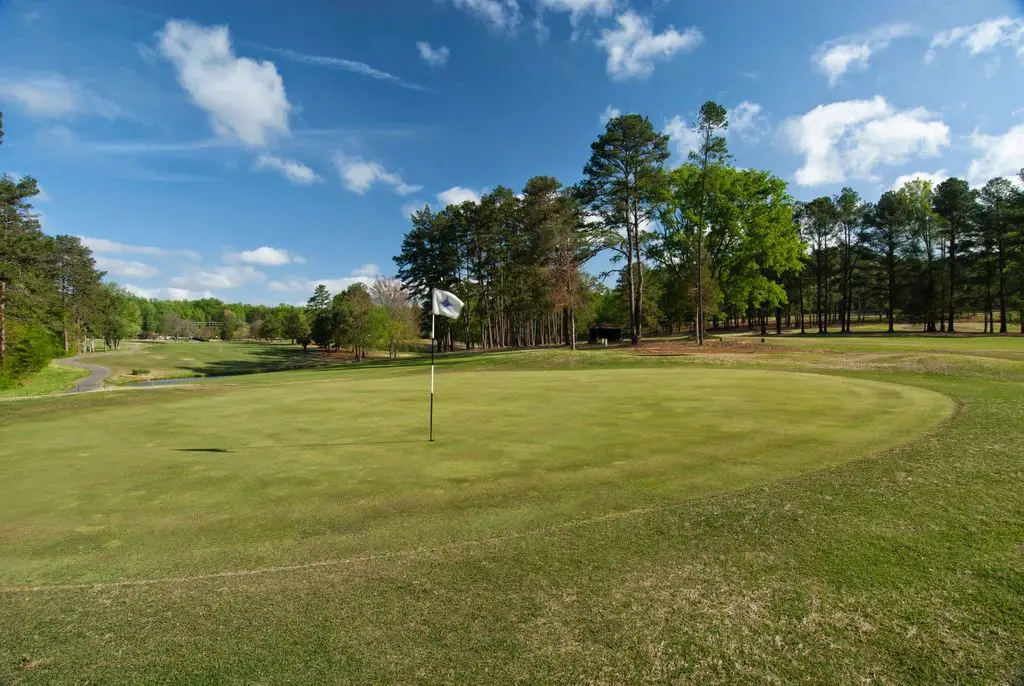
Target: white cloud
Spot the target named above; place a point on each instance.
(364, 274)
(499, 15)
(576, 9)
(435, 57)
(850, 138)
(129, 268)
(745, 120)
(167, 293)
(601, 8)
(1000, 155)
(609, 114)
(980, 38)
(266, 256)
(682, 135)
(103, 246)
(294, 171)
(343, 65)
(359, 175)
(245, 98)
(633, 47)
(456, 195)
(836, 57)
(369, 270)
(54, 95)
(935, 177)
(409, 208)
(219, 277)
(291, 285)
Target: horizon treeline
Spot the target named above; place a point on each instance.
(707, 245)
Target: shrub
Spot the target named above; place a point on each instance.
(139, 371)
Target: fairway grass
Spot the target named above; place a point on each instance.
(50, 379)
(184, 359)
(632, 520)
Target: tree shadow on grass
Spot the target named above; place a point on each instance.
(288, 358)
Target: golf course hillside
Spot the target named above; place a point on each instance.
(573, 507)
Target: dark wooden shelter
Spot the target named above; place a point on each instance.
(609, 332)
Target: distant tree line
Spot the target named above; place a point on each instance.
(360, 318)
(514, 259)
(706, 245)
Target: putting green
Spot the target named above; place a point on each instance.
(193, 481)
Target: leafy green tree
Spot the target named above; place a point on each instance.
(318, 309)
(394, 315)
(119, 316)
(712, 153)
(957, 204)
(851, 212)
(890, 219)
(296, 327)
(229, 325)
(74, 272)
(560, 245)
(820, 217)
(273, 327)
(24, 252)
(918, 195)
(999, 220)
(353, 319)
(622, 184)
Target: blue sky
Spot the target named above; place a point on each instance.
(250, 149)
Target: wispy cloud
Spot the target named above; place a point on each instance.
(836, 57)
(499, 15)
(219, 277)
(266, 256)
(981, 38)
(364, 274)
(342, 65)
(128, 268)
(54, 95)
(360, 175)
(104, 247)
(435, 57)
(293, 170)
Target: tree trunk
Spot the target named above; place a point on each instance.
(891, 263)
(818, 294)
(3, 323)
(803, 314)
(632, 287)
(1002, 288)
(952, 277)
(572, 328)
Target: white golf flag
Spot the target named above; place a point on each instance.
(446, 304)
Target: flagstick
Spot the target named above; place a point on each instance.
(432, 377)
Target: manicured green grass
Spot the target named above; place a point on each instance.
(51, 379)
(1011, 346)
(182, 359)
(628, 520)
